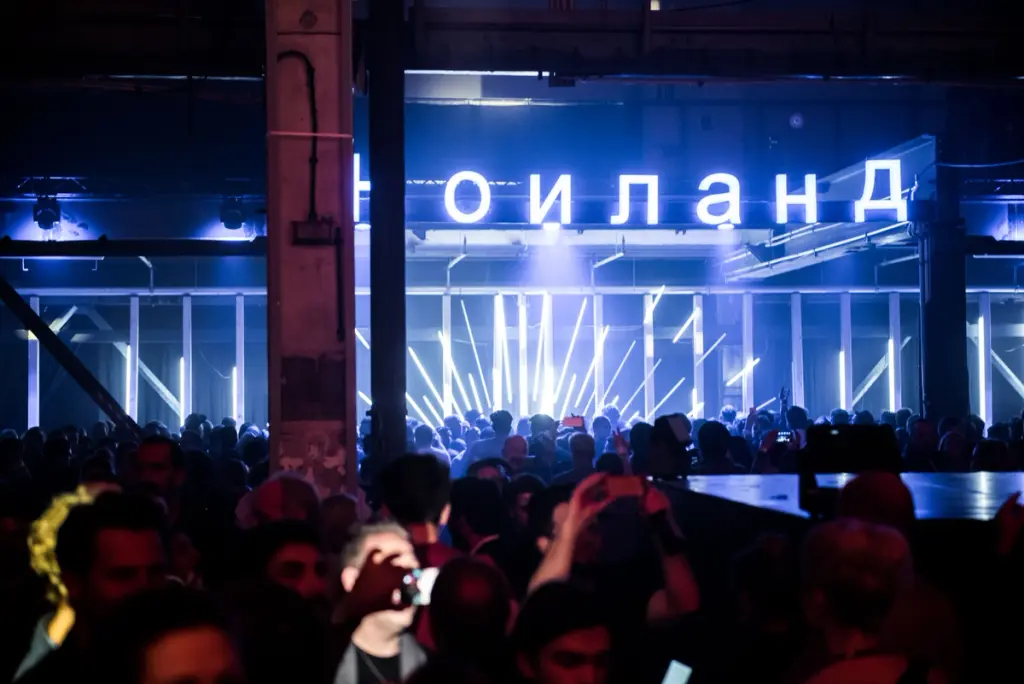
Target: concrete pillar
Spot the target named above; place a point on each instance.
(796, 323)
(310, 274)
(33, 373)
(132, 404)
(185, 381)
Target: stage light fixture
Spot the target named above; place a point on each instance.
(232, 214)
(46, 213)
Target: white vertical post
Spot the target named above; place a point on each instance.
(239, 375)
(132, 403)
(796, 327)
(649, 399)
(186, 354)
(599, 342)
(33, 372)
(548, 388)
(447, 392)
(524, 359)
(846, 349)
(985, 357)
(698, 351)
(497, 391)
(748, 352)
(895, 353)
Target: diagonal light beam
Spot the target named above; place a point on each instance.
(875, 373)
(476, 354)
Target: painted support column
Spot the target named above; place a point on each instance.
(447, 390)
(238, 375)
(523, 373)
(983, 374)
(599, 343)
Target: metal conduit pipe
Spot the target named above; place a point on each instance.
(432, 290)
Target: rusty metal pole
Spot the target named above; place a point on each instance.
(310, 262)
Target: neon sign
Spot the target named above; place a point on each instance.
(469, 199)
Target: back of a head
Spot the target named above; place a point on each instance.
(423, 436)
(158, 441)
(863, 418)
(415, 489)
(261, 543)
(713, 438)
(141, 621)
(541, 509)
(471, 606)
(797, 418)
(10, 454)
(582, 448)
(76, 538)
(840, 417)
(858, 569)
(610, 463)
(880, 498)
(478, 503)
(501, 421)
(728, 414)
(552, 611)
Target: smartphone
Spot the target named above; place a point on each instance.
(574, 422)
(677, 673)
(619, 486)
(418, 584)
(783, 437)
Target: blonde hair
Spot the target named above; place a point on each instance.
(42, 538)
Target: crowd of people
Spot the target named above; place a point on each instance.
(494, 551)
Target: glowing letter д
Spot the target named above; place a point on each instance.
(893, 201)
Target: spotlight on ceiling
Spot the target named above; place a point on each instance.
(231, 214)
(46, 213)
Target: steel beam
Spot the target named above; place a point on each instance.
(48, 340)
(145, 371)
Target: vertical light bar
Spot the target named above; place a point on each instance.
(524, 357)
(538, 375)
(496, 346)
(842, 381)
(447, 390)
(985, 357)
(186, 355)
(600, 335)
(572, 346)
(895, 352)
(127, 374)
(649, 400)
(796, 335)
(506, 356)
(846, 347)
(748, 351)
(239, 409)
(181, 393)
(132, 407)
(548, 394)
(33, 372)
(698, 352)
(476, 357)
(235, 395)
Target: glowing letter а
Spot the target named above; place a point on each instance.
(485, 197)
(562, 191)
(359, 186)
(625, 182)
(893, 201)
(808, 200)
(731, 197)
